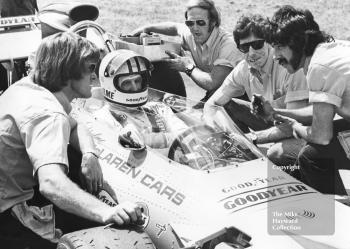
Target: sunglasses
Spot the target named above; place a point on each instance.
(190, 23)
(256, 45)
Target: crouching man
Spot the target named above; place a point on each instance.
(35, 129)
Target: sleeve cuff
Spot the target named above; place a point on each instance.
(224, 62)
(296, 95)
(324, 97)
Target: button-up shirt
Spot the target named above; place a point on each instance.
(328, 76)
(272, 81)
(219, 49)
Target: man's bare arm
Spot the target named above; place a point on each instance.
(321, 130)
(210, 81)
(165, 28)
(65, 194)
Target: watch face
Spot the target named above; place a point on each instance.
(190, 67)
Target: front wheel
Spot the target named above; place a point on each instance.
(106, 237)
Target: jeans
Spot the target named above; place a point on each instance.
(285, 152)
(319, 164)
(16, 236)
(239, 112)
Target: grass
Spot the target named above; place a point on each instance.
(121, 16)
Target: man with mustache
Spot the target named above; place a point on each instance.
(209, 52)
(300, 44)
(259, 74)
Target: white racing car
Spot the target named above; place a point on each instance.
(210, 188)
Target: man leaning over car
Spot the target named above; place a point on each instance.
(35, 129)
(209, 51)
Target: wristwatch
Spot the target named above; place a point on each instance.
(189, 69)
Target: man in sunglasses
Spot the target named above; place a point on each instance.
(209, 51)
(259, 74)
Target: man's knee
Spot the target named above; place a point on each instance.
(275, 154)
(278, 156)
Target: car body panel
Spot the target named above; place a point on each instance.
(251, 196)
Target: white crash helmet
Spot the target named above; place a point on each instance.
(119, 63)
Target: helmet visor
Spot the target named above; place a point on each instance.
(131, 82)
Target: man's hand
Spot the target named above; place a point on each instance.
(138, 31)
(177, 62)
(209, 111)
(91, 172)
(262, 108)
(286, 124)
(125, 213)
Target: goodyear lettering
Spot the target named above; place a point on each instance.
(109, 94)
(137, 99)
(147, 180)
(254, 183)
(249, 199)
(12, 21)
(105, 197)
(105, 200)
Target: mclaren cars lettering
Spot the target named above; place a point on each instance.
(162, 189)
(145, 179)
(271, 193)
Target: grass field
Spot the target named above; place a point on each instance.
(122, 16)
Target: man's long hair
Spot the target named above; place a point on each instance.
(297, 29)
(62, 57)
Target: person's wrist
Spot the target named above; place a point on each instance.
(295, 126)
(189, 69)
(253, 137)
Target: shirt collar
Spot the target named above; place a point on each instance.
(210, 41)
(267, 68)
(63, 100)
(306, 64)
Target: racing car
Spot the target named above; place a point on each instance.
(213, 188)
(210, 188)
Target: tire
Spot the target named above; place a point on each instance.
(106, 238)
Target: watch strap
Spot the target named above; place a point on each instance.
(190, 69)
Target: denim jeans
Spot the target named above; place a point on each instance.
(320, 164)
(239, 111)
(16, 236)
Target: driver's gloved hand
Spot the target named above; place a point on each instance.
(127, 141)
(130, 138)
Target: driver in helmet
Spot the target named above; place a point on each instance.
(124, 76)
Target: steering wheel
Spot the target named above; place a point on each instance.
(201, 147)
